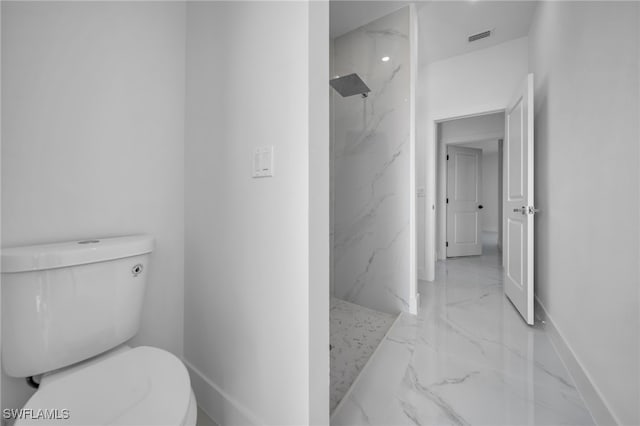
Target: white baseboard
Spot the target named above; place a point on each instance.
(421, 275)
(217, 404)
(597, 406)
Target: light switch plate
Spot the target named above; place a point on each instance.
(262, 165)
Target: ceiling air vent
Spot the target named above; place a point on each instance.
(479, 36)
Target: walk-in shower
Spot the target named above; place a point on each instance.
(371, 193)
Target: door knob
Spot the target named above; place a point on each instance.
(480, 206)
(522, 210)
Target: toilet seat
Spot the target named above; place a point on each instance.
(140, 386)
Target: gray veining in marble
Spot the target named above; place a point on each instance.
(466, 359)
(370, 167)
(355, 334)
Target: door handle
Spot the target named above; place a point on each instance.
(526, 210)
(480, 206)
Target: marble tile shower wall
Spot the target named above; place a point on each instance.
(370, 167)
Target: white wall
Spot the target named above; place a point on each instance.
(490, 191)
(332, 187)
(585, 57)
(319, 213)
(464, 85)
(480, 128)
(248, 248)
(370, 164)
(93, 130)
(1, 373)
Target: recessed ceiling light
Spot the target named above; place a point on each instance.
(385, 58)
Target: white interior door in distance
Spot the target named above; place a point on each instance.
(464, 188)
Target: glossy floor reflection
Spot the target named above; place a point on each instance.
(466, 359)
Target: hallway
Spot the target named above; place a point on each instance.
(467, 358)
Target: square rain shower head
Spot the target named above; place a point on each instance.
(349, 85)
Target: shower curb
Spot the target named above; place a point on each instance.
(366, 365)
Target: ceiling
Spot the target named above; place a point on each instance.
(347, 15)
(443, 25)
(487, 146)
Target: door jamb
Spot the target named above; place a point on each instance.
(439, 237)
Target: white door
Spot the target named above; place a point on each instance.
(518, 201)
(464, 186)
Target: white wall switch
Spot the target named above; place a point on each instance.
(262, 162)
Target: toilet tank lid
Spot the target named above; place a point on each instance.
(72, 253)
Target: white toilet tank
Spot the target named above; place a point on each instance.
(66, 302)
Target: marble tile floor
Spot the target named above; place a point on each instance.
(203, 419)
(355, 334)
(466, 359)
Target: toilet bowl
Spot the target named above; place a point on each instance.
(68, 310)
(139, 386)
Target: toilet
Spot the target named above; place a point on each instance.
(68, 310)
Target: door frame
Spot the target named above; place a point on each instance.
(439, 238)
